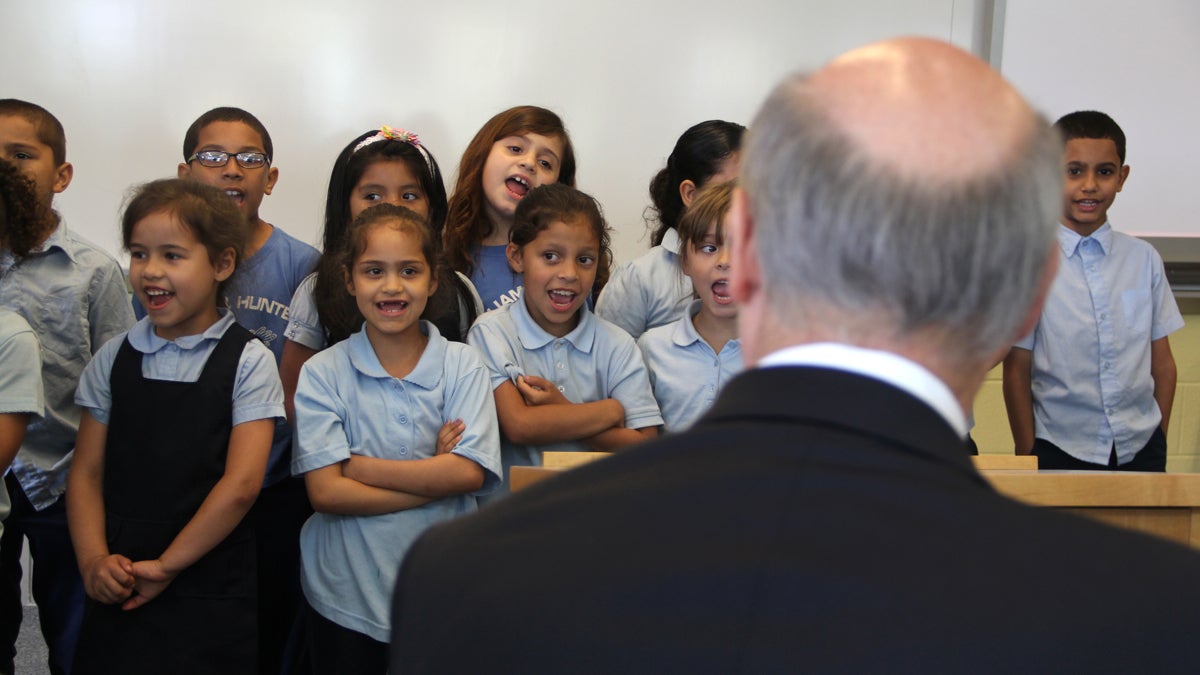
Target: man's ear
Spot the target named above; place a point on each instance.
(513, 253)
(745, 277)
(184, 170)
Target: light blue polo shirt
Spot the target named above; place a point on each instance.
(685, 373)
(1091, 347)
(595, 361)
(257, 393)
(346, 403)
(649, 291)
(20, 379)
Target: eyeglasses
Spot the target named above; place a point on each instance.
(219, 158)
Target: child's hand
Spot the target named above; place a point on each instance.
(539, 391)
(450, 435)
(151, 580)
(108, 578)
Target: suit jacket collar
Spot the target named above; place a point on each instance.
(837, 399)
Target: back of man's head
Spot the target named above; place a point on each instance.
(904, 191)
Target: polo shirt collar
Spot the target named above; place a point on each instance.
(685, 333)
(145, 340)
(428, 372)
(671, 241)
(532, 336)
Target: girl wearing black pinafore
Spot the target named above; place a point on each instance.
(165, 450)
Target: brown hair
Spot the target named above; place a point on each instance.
(466, 221)
(556, 202)
(339, 315)
(49, 130)
(191, 137)
(21, 215)
(709, 207)
(208, 212)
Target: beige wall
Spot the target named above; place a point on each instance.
(1183, 434)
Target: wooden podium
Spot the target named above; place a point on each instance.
(1162, 504)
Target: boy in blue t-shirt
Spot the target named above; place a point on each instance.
(1091, 387)
(231, 149)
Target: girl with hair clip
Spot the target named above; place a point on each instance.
(652, 290)
(390, 166)
(563, 379)
(692, 358)
(178, 417)
(372, 443)
(516, 151)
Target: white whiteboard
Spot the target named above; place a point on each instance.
(127, 77)
(1140, 63)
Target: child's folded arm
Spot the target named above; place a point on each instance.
(619, 438)
(557, 422)
(442, 475)
(331, 491)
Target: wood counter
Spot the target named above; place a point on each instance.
(1162, 504)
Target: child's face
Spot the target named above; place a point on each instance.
(1094, 176)
(388, 182)
(707, 264)
(19, 144)
(246, 187)
(558, 269)
(173, 276)
(516, 165)
(391, 281)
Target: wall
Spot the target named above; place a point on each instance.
(127, 77)
(1137, 61)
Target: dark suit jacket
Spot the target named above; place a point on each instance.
(812, 521)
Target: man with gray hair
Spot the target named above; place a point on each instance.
(891, 238)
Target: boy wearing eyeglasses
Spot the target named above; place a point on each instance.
(230, 149)
(73, 295)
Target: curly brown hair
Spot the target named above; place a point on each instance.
(22, 218)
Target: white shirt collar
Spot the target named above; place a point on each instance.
(880, 365)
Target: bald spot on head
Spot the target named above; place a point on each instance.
(924, 108)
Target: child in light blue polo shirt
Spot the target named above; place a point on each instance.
(1092, 386)
(563, 378)
(370, 413)
(652, 290)
(691, 359)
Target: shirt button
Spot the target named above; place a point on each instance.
(404, 449)
(403, 419)
(1103, 316)
(562, 389)
(559, 365)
